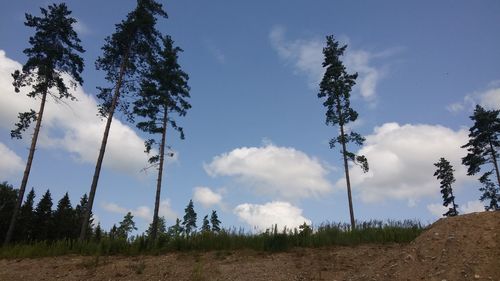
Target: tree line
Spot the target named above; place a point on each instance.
(41, 222)
(145, 82)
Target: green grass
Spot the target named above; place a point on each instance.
(272, 240)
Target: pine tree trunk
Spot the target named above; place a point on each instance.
(493, 154)
(27, 170)
(95, 179)
(160, 174)
(346, 167)
(348, 181)
(453, 200)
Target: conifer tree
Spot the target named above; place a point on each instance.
(42, 226)
(54, 51)
(214, 220)
(24, 230)
(98, 232)
(64, 219)
(163, 91)
(444, 173)
(335, 88)
(176, 230)
(126, 56)
(79, 215)
(8, 196)
(189, 222)
(482, 148)
(161, 227)
(205, 227)
(127, 225)
(113, 232)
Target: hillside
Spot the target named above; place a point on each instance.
(461, 248)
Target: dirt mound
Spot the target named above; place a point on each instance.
(461, 248)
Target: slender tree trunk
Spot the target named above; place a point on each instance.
(27, 170)
(159, 179)
(95, 179)
(453, 200)
(348, 181)
(493, 154)
(346, 167)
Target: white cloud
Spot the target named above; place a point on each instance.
(10, 163)
(489, 99)
(113, 208)
(455, 107)
(401, 162)
(143, 212)
(307, 57)
(267, 215)
(437, 209)
(206, 197)
(270, 169)
(72, 126)
(471, 207)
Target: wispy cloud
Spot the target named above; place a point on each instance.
(216, 52)
(306, 57)
(489, 98)
(81, 28)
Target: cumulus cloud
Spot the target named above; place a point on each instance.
(206, 197)
(262, 217)
(10, 163)
(270, 169)
(489, 99)
(143, 212)
(401, 161)
(471, 207)
(72, 125)
(306, 56)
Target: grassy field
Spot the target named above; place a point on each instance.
(272, 240)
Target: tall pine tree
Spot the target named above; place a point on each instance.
(482, 148)
(444, 173)
(54, 51)
(127, 54)
(335, 88)
(163, 91)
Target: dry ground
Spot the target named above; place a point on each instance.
(462, 248)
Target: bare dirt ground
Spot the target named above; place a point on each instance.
(461, 248)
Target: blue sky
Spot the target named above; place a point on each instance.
(256, 147)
